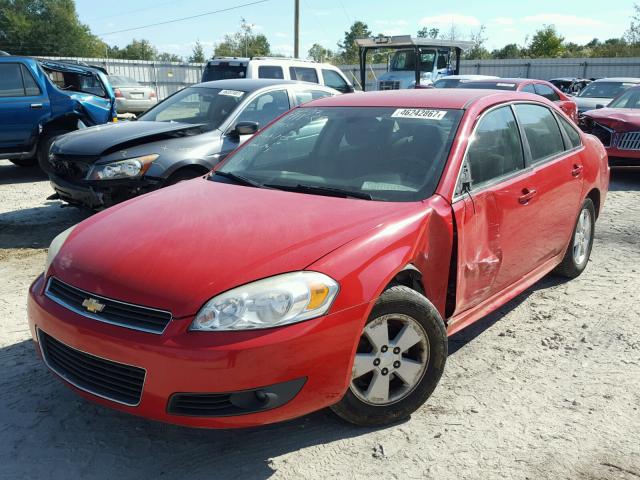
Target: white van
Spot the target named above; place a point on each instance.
(223, 68)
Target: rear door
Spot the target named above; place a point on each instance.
(557, 163)
(23, 106)
(496, 215)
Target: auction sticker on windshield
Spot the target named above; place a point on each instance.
(419, 113)
(232, 93)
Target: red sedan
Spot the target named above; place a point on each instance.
(530, 85)
(324, 263)
(618, 127)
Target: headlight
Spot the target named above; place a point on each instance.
(272, 302)
(129, 168)
(55, 247)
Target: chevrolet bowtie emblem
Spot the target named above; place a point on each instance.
(93, 305)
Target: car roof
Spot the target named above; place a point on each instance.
(252, 84)
(423, 98)
(619, 79)
(468, 77)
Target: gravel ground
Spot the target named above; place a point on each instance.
(547, 387)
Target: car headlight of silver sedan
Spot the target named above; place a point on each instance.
(271, 302)
(128, 168)
(56, 245)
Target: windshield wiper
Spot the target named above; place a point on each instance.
(329, 191)
(238, 179)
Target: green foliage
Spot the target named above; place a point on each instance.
(348, 48)
(136, 50)
(243, 43)
(197, 55)
(169, 57)
(478, 51)
(546, 43)
(510, 50)
(320, 54)
(46, 27)
(426, 32)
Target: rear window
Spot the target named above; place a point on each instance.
(489, 85)
(224, 71)
(121, 81)
(304, 74)
(270, 71)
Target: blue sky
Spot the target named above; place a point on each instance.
(324, 21)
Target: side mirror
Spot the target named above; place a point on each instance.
(600, 105)
(245, 128)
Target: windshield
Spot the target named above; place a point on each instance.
(120, 81)
(447, 83)
(562, 85)
(489, 85)
(387, 154)
(198, 106)
(604, 89)
(629, 99)
(405, 60)
(224, 71)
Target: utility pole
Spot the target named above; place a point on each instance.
(296, 29)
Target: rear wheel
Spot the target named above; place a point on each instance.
(399, 360)
(577, 255)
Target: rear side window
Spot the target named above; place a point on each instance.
(270, 71)
(572, 133)
(305, 96)
(541, 129)
(31, 88)
(11, 80)
(334, 80)
(496, 150)
(304, 74)
(547, 92)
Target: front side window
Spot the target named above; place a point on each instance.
(541, 129)
(304, 74)
(496, 148)
(270, 71)
(11, 80)
(387, 154)
(547, 92)
(208, 107)
(334, 80)
(265, 107)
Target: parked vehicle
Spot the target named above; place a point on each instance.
(223, 68)
(324, 262)
(41, 100)
(570, 85)
(618, 127)
(600, 92)
(530, 85)
(453, 81)
(183, 137)
(131, 95)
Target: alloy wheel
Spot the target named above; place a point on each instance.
(582, 237)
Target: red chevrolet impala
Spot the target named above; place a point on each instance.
(324, 263)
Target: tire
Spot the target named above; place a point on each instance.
(579, 250)
(44, 145)
(25, 162)
(398, 307)
(184, 174)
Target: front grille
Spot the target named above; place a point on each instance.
(71, 167)
(114, 312)
(629, 141)
(202, 405)
(389, 85)
(104, 378)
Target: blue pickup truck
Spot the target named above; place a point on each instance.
(42, 99)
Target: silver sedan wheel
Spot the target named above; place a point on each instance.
(391, 359)
(582, 238)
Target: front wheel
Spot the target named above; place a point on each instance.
(399, 360)
(579, 249)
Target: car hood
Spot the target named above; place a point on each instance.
(176, 248)
(105, 139)
(618, 119)
(588, 103)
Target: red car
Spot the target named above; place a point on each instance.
(539, 87)
(324, 263)
(618, 127)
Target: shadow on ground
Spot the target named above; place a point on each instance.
(10, 173)
(625, 179)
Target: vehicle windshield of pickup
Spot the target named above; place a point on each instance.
(209, 107)
(386, 154)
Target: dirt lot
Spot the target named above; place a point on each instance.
(547, 387)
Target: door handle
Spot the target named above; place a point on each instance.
(577, 170)
(527, 195)
(35, 105)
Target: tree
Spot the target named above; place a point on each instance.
(168, 57)
(136, 50)
(510, 50)
(546, 43)
(478, 51)
(197, 55)
(426, 32)
(632, 35)
(348, 49)
(46, 27)
(320, 54)
(243, 43)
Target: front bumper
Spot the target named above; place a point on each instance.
(320, 350)
(96, 196)
(623, 158)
